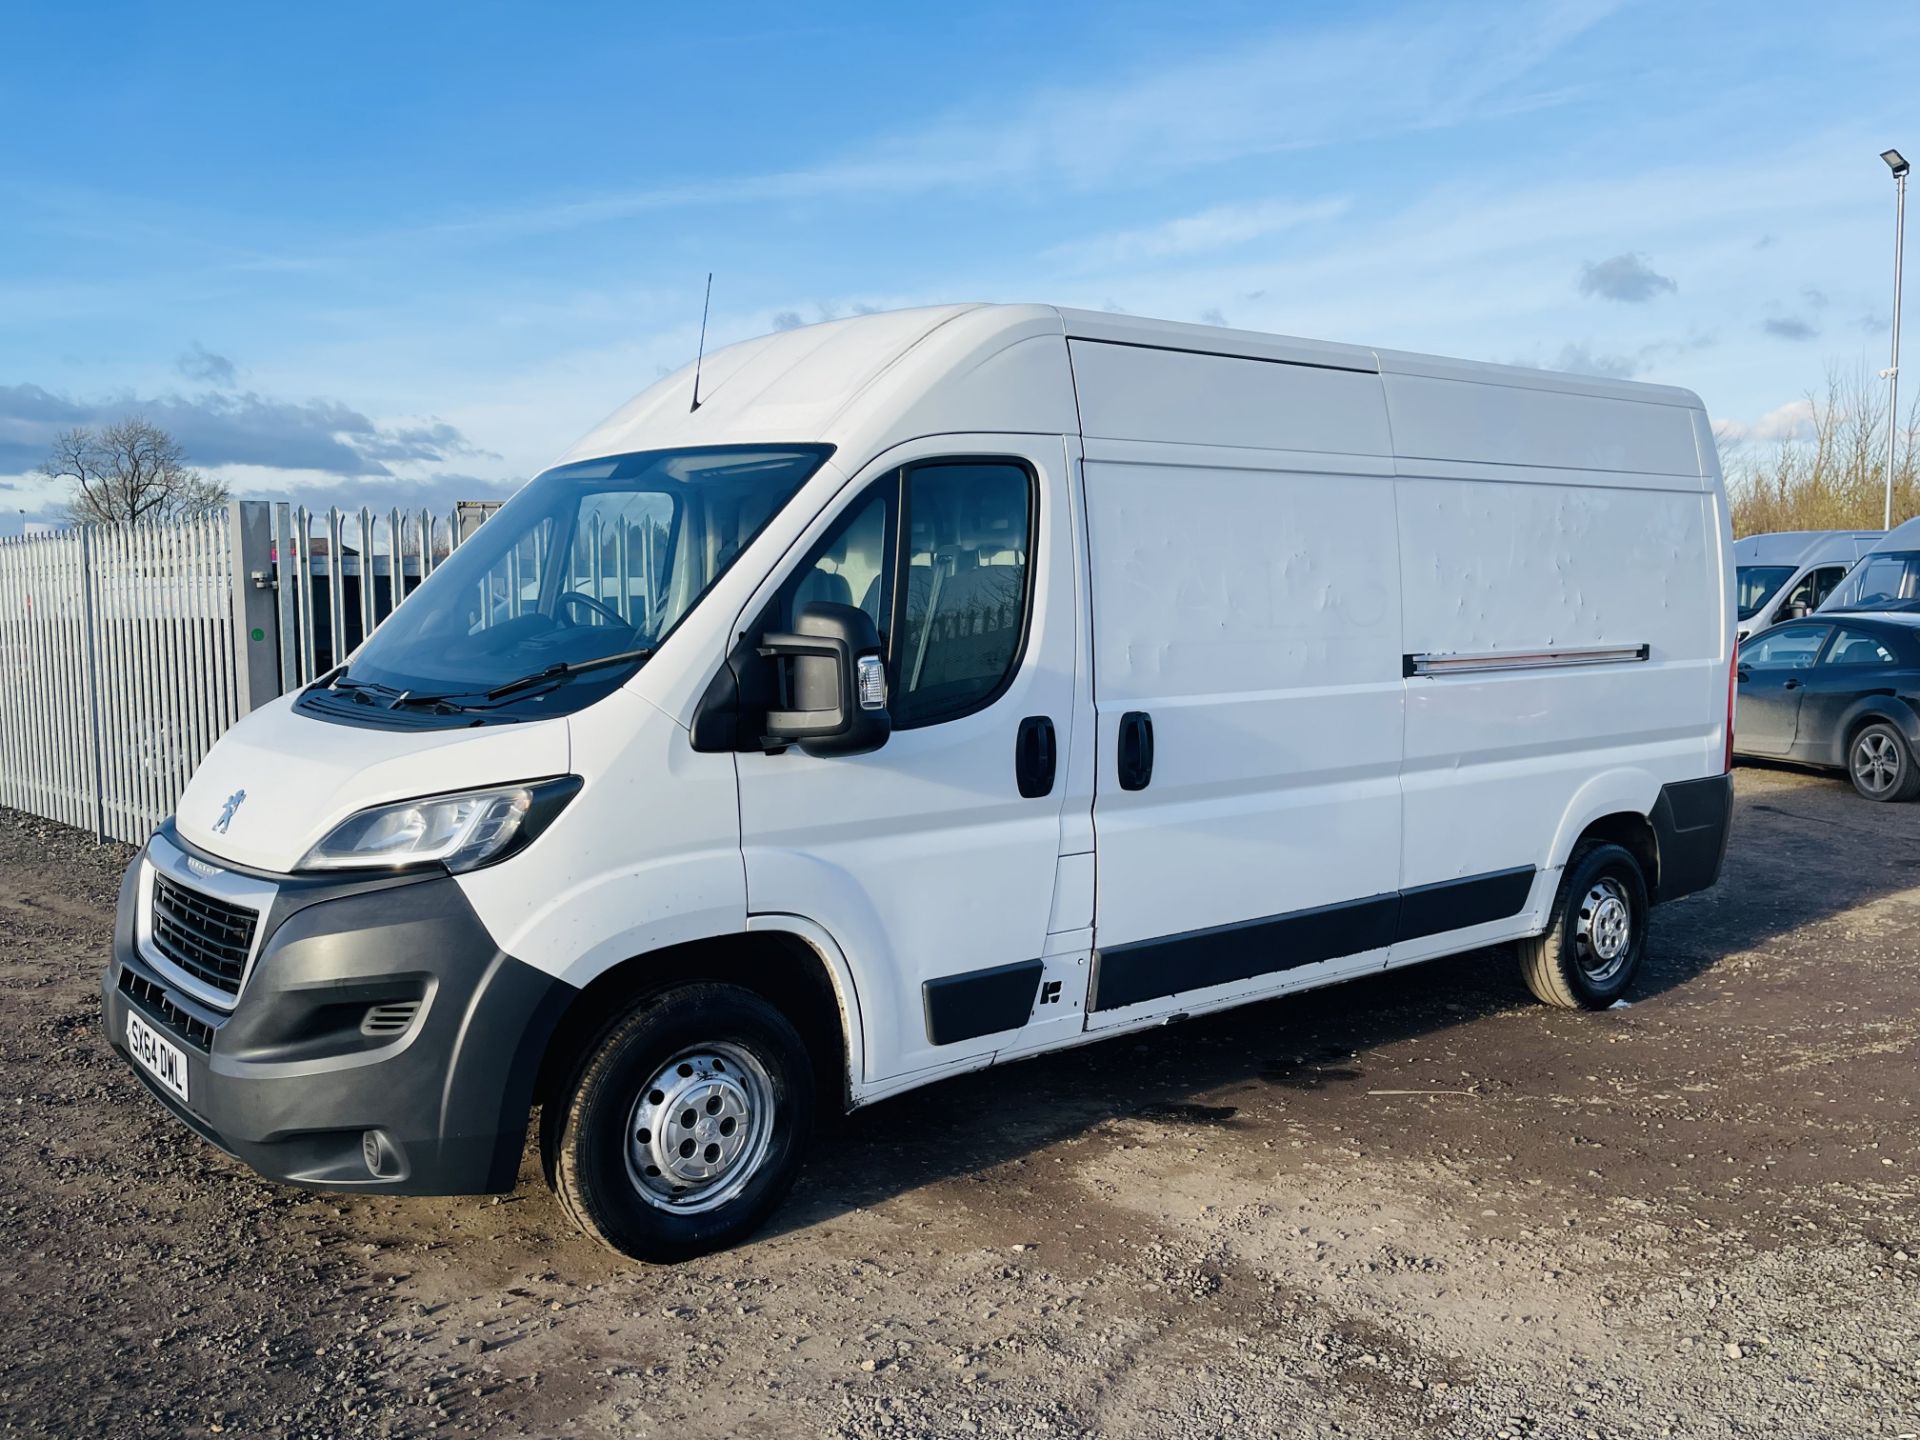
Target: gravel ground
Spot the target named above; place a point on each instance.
(1416, 1205)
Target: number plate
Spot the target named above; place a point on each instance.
(158, 1056)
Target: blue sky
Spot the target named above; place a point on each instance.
(406, 253)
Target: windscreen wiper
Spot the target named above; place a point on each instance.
(561, 669)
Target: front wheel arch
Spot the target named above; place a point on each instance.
(779, 966)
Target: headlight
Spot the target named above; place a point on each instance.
(461, 831)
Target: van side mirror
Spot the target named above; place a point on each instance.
(836, 682)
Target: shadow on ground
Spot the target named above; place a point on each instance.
(1317, 1040)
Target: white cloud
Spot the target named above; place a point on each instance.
(1788, 422)
(1218, 228)
(1446, 66)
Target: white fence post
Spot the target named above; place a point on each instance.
(89, 640)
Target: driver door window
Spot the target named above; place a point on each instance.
(1814, 587)
(952, 610)
(1791, 647)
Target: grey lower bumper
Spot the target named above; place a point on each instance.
(291, 1083)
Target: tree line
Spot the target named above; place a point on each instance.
(1833, 475)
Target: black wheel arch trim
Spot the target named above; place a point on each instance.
(1691, 820)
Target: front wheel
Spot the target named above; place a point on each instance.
(685, 1126)
(1881, 765)
(1588, 956)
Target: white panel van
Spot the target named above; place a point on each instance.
(941, 688)
(1788, 574)
(1887, 577)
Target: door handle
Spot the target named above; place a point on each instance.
(1136, 750)
(1791, 685)
(1035, 757)
(1741, 675)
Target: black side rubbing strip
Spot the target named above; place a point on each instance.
(979, 1002)
(1150, 969)
(1198, 959)
(1456, 904)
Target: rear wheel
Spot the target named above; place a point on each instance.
(1588, 956)
(1881, 765)
(685, 1126)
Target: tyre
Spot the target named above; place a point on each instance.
(684, 1126)
(1588, 955)
(1881, 765)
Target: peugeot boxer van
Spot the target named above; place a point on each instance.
(1788, 574)
(926, 691)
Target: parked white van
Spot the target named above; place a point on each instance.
(940, 688)
(1788, 574)
(1887, 578)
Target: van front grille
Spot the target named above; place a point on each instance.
(195, 1032)
(206, 938)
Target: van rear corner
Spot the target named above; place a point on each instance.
(1691, 820)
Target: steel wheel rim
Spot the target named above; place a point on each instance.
(700, 1129)
(1876, 763)
(1603, 930)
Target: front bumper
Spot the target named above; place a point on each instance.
(291, 1080)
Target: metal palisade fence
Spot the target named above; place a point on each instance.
(125, 652)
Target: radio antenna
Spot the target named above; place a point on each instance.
(701, 354)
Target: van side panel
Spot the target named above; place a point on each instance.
(1548, 550)
(1487, 422)
(1246, 600)
(1253, 615)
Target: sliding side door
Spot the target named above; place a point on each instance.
(1247, 676)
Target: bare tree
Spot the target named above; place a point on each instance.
(1832, 475)
(129, 473)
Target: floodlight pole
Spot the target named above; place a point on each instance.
(1898, 164)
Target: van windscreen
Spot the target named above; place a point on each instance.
(566, 589)
(1885, 580)
(1756, 583)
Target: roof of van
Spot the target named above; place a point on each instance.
(799, 384)
(1802, 547)
(1904, 536)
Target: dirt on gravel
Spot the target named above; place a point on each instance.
(1414, 1205)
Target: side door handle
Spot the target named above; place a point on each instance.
(1791, 684)
(1035, 757)
(1136, 750)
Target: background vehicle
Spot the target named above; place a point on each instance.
(948, 686)
(1840, 693)
(1787, 574)
(1887, 577)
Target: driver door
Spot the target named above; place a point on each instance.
(1771, 681)
(931, 861)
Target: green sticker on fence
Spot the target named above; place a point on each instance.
(259, 634)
